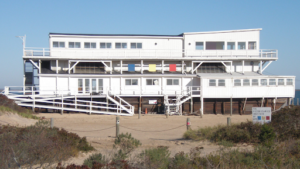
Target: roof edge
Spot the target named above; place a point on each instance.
(224, 31)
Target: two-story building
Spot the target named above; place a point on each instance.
(195, 72)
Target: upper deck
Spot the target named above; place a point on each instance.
(220, 45)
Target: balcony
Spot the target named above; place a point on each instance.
(149, 53)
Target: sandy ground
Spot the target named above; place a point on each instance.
(151, 130)
(14, 119)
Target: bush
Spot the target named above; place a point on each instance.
(94, 158)
(155, 157)
(36, 145)
(267, 135)
(125, 144)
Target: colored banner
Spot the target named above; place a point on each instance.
(172, 67)
(152, 67)
(131, 67)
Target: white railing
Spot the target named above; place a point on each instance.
(136, 53)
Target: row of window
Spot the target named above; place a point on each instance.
(253, 82)
(103, 45)
(151, 82)
(221, 45)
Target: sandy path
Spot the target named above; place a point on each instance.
(14, 119)
(91, 126)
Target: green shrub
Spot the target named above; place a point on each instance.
(125, 144)
(155, 157)
(267, 135)
(98, 157)
(180, 161)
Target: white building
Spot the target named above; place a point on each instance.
(191, 72)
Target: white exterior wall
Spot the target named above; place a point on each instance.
(167, 47)
(226, 36)
(47, 85)
(246, 91)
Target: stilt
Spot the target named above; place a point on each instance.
(230, 106)
(62, 105)
(262, 102)
(191, 105)
(215, 107)
(202, 106)
(106, 104)
(244, 106)
(140, 107)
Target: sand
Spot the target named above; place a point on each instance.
(151, 130)
(13, 119)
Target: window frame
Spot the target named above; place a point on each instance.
(121, 43)
(238, 46)
(221, 83)
(287, 82)
(255, 45)
(74, 45)
(269, 82)
(58, 44)
(234, 82)
(105, 45)
(131, 82)
(152, 82)
(255, 83)
(136, 45)
(279, 83)
(246, 83)
(90, 43)
(206, 45)
(212, 82)
(173, 82)
(263, 84)
(202, 45)
(234, 46)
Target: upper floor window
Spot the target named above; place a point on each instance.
(237, 82)
(263, 82)
(272, 82)
(89, 45)
(214, 45)
(131, 82)
(254, 82)
(280, 82)
(230, 45)
(136, 45)
(289, 82)
(199, 46)
(104, 45)
(152, 82)
(74, 44)
(252, 45)
(241, 45)
(172, 82)
(221, 82)
(212, 82)
(58, 44)
(246, 82)
(121, 45)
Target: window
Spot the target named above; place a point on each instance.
(80, 85)
(89, 45)
(199, 46)
(280, 82)
(254, 82)
(152, 82)
(172, 82)
(252, 45)
(87, 85)
(58, 44)
(104, 45)
(121, 45)
(136, 45)
(230, 45)
(131, 82)
(246, 82)
(212, 82)
(237, 82)
(94, 85)
(289, 82)
(263, 82)
(100, 85)
(214, 45)
(272, 82)
(221, 82)
(74, 44)
(241, 45)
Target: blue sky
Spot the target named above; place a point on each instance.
(280, 21)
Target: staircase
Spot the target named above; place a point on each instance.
(174, 106)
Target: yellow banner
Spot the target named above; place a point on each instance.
(152, 67)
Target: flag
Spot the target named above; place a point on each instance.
(131, 67)
(172, 67)
(152, 67)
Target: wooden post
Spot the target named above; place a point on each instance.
(228, 121)
(297, 101)
(62, 105)
(140, 107)
(215, 107)
(188, 124)
(106, 104)
(191, 105)
(231, 106)
(293, 101)
(117, 126)
(223, 108)
(51, 123)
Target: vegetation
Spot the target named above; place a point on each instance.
(8, 105)
(38, 145)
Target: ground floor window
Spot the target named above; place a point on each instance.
(131, 82)
(152, 82)
(172, 82)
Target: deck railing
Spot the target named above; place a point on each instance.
(135, 53)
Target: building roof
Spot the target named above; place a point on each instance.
(225, 31)
(82, 34)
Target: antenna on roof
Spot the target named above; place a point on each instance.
(23, 38)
